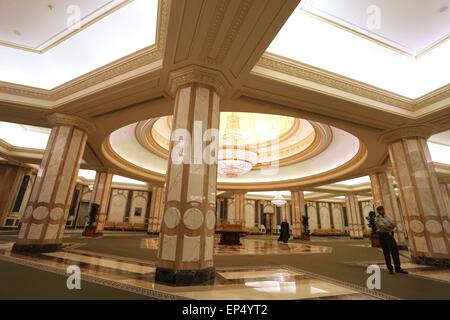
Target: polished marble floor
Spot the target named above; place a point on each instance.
(254, 246)
(242, 283)
(414, 269)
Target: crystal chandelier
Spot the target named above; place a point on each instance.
(278, 200)
(235, 160)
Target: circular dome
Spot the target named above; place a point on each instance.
(290, 150)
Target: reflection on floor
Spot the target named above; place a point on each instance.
(414, 269)
(243, 283)
(254, 246)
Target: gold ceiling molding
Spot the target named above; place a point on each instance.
(9, 150)
(153, 177)
(238, 19)
(299, 70)
(417, 131)
(121, 66)
(323, 136)
(110, 155)
(432, 97)
(282, 138)
(143, 134)
(69, 35)
(309, 147)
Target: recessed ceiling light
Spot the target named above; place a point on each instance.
(51, 7)
(443, 9)
(17, 33)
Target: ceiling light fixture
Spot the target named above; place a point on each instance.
(279, 200)
(235, 160)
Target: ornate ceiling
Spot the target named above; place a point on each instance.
(116, 73)
(300, 150)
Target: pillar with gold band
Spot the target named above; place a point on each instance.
(298, 211)
(239, 208)
(421, 197)
(186, 249)
(156, 210)
(44, 219)
(355, 224)
(384, 195)
(100, 195)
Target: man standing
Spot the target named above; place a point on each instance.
(385, 230)
(284, 231)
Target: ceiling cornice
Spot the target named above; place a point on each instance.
(306, 72)
(134, 61)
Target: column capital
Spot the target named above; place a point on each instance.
(417, 131)
(71, 120)
(296, 189)
(196, 74)
(375, 170)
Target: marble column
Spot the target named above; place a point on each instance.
(355, 225)
(421, 198)
(384, 195)
(45, 217)
(185, 254)
(156, 210)
(100, 195)
(239, 208)
(298, 211)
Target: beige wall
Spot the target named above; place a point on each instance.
(118, 205)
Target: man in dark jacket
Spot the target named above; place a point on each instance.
(284, 231)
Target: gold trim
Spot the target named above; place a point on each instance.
(303, 71)
(116, 68)
(144, 135)
(71, 34)
(359, 158)
(300, 70)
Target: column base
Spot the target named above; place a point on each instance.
(185, 277)
(440, 263)
(35, 248)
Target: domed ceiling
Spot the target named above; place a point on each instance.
(290, 150)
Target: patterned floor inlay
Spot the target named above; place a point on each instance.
(239, 283)
(414, 269)
(253, 246)
(102, 262)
